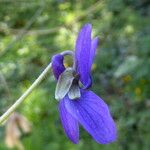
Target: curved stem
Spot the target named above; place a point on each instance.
(67, 52)
(71, 53)
(25, 95)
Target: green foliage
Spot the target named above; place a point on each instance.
(32, 31)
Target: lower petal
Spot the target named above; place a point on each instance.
(69, 123)
(91, 111)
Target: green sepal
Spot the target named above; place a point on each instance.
(74, 92)
(64, 83)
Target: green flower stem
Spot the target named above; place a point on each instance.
(71, 53)
(25, 95)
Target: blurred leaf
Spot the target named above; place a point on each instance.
(129, 65)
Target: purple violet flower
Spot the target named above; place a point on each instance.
(79, 105)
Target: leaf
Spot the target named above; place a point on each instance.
(127, 66)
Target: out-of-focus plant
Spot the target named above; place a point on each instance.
(16, 125)
(123, 26)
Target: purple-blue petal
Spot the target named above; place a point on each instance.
(69, 123)
(91, 111)
(57, 65)
(82, 54)
(93, 51)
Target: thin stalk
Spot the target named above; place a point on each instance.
(71, 53)
(25, 95)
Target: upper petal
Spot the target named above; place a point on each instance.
(82, 54)
(91, 111)
(93, 51)
(57, 65)
(69, 123)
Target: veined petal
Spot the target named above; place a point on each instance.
(82, 54)
(91, 111)
(93, 51)
(69, 123)
(57, 65)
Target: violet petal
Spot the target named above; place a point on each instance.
(57, 65)
(93, 113)
(69, 123)
(93, 51)
(82, 54)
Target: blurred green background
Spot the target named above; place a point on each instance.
(32, 31)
